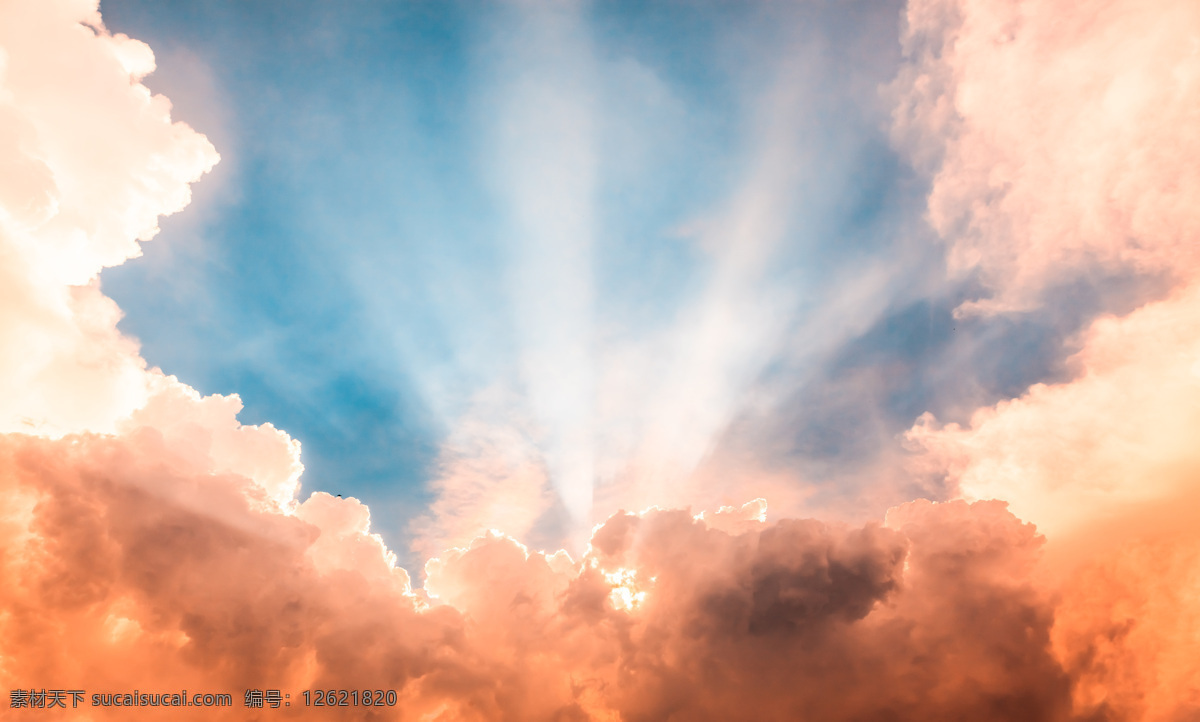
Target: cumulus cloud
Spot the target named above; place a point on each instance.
(90, 160)
(1106, 465)
(128, 564)
(1127, 627)
(1059, 143)
(1059, 140)
(1120, 435)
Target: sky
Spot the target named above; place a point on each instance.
(603, 361)
(379, 250)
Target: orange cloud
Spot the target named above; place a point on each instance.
(125, 567)
(1060, 141)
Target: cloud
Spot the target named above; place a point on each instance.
(1106, 466)
(1059, 144)
(1059, 140)
(1120, 434)
(1128, 623)
(150, 540)
(130, 563)
(91, 159)
(490, 475)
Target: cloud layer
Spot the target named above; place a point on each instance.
(150, 540)
(134, 562)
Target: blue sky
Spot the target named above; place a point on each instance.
(422, 205)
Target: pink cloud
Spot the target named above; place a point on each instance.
(1061, 142)
(1059, 137)
(90, 160)
(129, 568)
